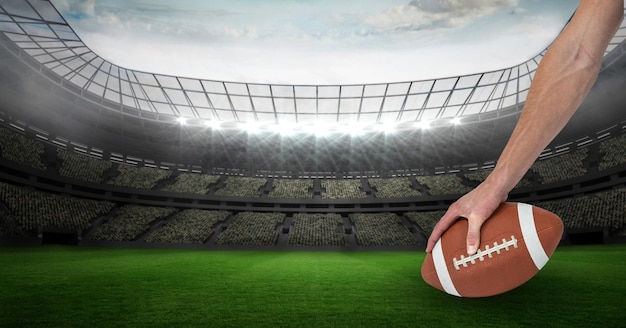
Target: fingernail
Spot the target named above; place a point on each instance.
(471, 249)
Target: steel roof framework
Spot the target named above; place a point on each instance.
(40, 32)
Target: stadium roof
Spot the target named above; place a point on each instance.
(57, 89)
(38, 29)
(316, 42)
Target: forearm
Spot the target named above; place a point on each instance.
(557, 92)
(563, 79)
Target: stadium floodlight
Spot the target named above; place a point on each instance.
(456, 121)
(251, 127)
(213, 124)
(285, 129)
(320, 129)
(423, 124)
(388, 127)
(356, 129)
(181, 120)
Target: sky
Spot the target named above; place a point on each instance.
(323, 42)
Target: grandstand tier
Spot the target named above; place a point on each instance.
(26, 212)
(91, 148)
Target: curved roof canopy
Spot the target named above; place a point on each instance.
(41, 33)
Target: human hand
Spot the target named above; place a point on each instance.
(475, 206)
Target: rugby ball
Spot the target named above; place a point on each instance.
(516, 242)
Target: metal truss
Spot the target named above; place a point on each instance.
(40, 34)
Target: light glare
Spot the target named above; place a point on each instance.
(213, 124)
(285, 129)
(251, 127)
(423, 124)
(320, 129)
(355, 129)
(386, 127)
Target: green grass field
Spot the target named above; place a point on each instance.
(56, 286)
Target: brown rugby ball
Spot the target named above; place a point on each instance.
(516, 242)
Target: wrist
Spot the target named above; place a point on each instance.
(499, 184)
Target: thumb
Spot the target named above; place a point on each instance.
(473, 235)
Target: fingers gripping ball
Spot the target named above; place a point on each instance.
(516, 242)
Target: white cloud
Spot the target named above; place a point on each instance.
(518, 11)
(139, 18)
(76, 7)
(537, 27)
(226, 44)
(300, 65)
(433, 14)
(110, 19)
(461, 7)
(85, 7)
(248, 32)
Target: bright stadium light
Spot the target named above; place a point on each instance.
(386, 127)
(181, 120)
(285, 129)
(251, 127)
(456, 121)
(423, 124)
(356, 129)
(320, 129)
(213, 124)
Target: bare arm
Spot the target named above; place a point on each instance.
(564, 77)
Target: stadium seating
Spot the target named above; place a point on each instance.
(425, 220)
(138, 177)
(479, 176)
(381, 229)
(188, 227)
(82, 167)
(393, 188)
(23, 210)
(129, 222)
(562, 167)
(292, 189)
(612, 152)
(316, 230)
(445, 184)
(598, 210)
(20, 149)
(8, 223)
(192, 183)
(34, 209)
(242, 187)
(342, 189)
(252, 229)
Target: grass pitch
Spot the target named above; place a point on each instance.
(55, 286)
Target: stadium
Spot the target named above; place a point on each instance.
(131, 198)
